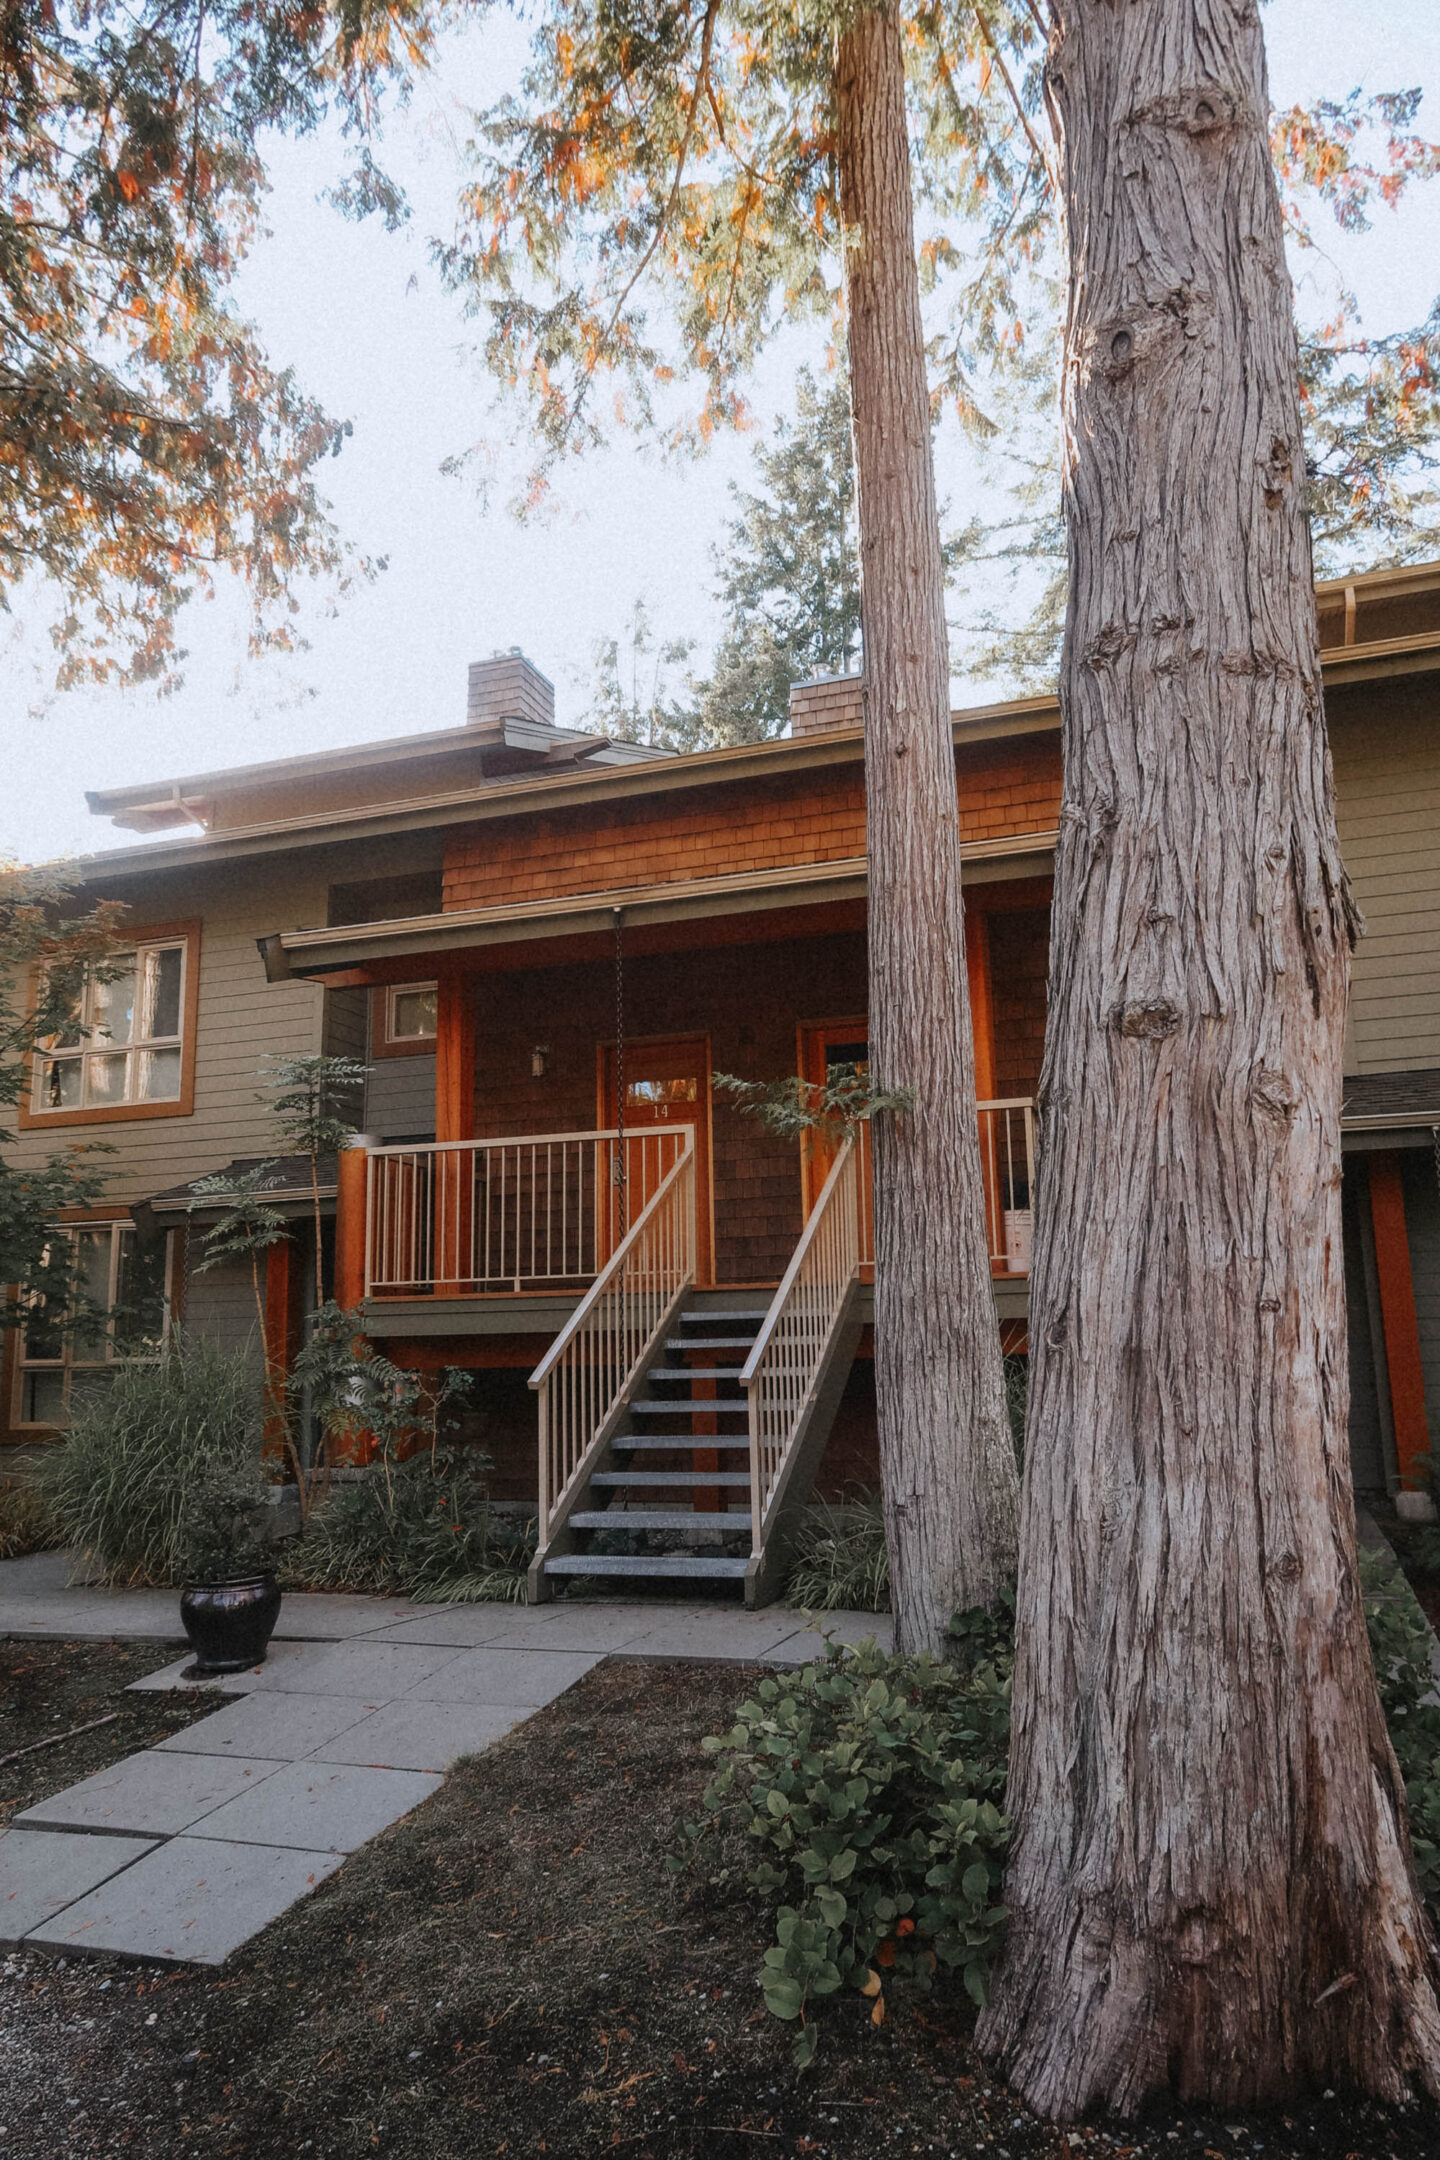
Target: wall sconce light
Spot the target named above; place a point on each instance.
(539, 1061)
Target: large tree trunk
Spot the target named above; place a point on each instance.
(1211, 1877)
(947, 1463)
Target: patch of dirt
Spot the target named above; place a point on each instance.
(48, 1689)
(513, 1971)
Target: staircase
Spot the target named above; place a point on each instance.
(671, 1497)
(680, 1429)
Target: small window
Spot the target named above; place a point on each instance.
(122, 1312)
(660, 1094)
(122, 1045)
(410, 1010)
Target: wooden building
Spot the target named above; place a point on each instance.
(548, 946)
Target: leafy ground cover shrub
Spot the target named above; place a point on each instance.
(869, 1790)
(419, 1527)
(1400, 1641)
(131, 1485)
(26, 1523)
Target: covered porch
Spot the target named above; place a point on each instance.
(669, 1302)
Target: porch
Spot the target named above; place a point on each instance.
(667, 1303)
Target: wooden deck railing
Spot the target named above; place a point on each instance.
(783, 1370)
(1007, 1162)
(468, 1216)
(587, 1376)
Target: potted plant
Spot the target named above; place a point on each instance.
(231, 1601)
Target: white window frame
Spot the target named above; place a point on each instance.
(94, 1044)
(408, 989)
(99, 1352)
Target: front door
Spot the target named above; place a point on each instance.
(828, 1047)
(666, 1084)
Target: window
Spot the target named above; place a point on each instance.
(411, 1014)
(122, 1051)
(123, 1306)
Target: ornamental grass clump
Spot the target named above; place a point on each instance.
(26, 1523)
(870, 1790)
(143, 1453)
(840, 1563)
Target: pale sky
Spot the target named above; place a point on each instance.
(360, 315)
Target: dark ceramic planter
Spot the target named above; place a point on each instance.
(230, 1623)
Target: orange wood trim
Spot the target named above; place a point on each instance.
(350, 1185)
(1004, 896)
(1397, 1311)
(10, 1382)
(982, 1003)
(29, 1120)
(455, 1058)
(279, 1297)
(380, 1044)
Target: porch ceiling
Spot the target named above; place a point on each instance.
(290, 953)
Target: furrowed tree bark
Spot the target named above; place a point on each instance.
(1211, 1878)
(947, 1462)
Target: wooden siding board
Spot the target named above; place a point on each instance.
(1386, 751)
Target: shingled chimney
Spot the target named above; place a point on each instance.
(830, 701)
(507, 686)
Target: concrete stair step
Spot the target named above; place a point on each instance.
(729, 1522)
(706, 1408)
(679, 1373)
(678, 1565)
(670, 1477)
(681, 1440)
(711, 1342)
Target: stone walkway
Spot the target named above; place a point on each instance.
(186, 1850)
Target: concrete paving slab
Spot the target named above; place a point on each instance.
(152, 1793)
(372, 1672)
(453, 1627)
(593, 1628)
(37, 1574)
(192, 1902)
(324, 1616)
(43, 1871)
(418, 1735)
(312, 1806)
(511, 1679)
(174, 1674)
(278, 1728)
(725, 1636)
(849, 1628)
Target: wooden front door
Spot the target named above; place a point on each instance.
(666, 1083)
(825, 1046)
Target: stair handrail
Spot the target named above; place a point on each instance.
(781, 1372)
(623, 1314)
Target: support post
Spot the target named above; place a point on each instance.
(1402, 1331)
(350, 1189)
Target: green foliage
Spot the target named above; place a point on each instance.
(147, 440)
(420, 1528)
(641, 708)
(789, 574)
(870, 1792)
(224, 1533)
(840, 1562)
(248, 1226)
(790, 1106)
(44, 945)
(26, 1523)
(418, 1522)
(1400, 1644)
(313, 1101)
(146, 1453)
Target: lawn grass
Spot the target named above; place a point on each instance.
(513, 1971)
